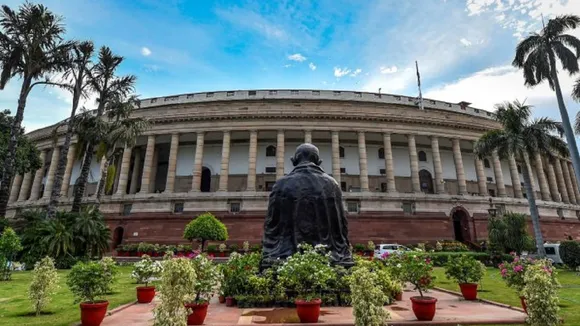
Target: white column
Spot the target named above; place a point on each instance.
(439, 185)
(15, 188)
(561, 182)
(568, 181)
(554, 191)
(414, 162)
(498, 175)
(25, 186)
(515, 175)
(70, 160)
(124, 171)
(542, 181)
(481, 178)
(225, 164)
(51, 172)
(198, 163)
(252, 155)
(336, 156)
(172, 164)
(389, 169)
(280, 155)
(574, 184)
(35, 192)
(459, 170)
(147, 165)
(308, 136)
(362, 162)
(136, 173)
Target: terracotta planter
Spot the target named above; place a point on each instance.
(230, 301)
(424, 307)
(399, 296)
(524, 305)
(92, 314)
(222, 299)
(308, 311)
(145, 294)
(198, 313)
(469, 290)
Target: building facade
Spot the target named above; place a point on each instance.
(407, 174)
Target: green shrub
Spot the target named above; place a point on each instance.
(9, 246)
(177, 281)
(541, 294)
(44, 284)
(110, 271)
(440, 259)
(146, 269)
(368, 298)
(206, 281)
(234, 247)
(464, 269)
(570, 253)
(205, 227)
(509, 233)
(211, 248)
(87, 281)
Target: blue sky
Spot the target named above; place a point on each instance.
(464, 47)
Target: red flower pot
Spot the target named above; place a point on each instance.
(524, 305)
(230, 301)
(469, 290)
(424, 307)
(198, 313)
(399, 296)
(222, 254)
(145, 294)
(222, 299)
(308, 311)
(92, 314)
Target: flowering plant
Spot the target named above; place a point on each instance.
(513, 273)
(222, 247)
(307, 272)
(146, 269)
(541, 295)
(417, 270)
(207, 279)
(464, 269)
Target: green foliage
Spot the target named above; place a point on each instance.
(417, 270)
(207, 279)
(27, 155)
(205, 227)
(177, 282)
(111, 174)
(570, 253)
(513, 272)
(509, 233)
(368, 298)
(236, 273)
(88, 282)
(110, 271)
(146, 269)
(541, 295)
(359, 247)
(453, 246)
(465, 269)
(43, 285)
(9, 246)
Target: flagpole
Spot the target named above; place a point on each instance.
(419, 84)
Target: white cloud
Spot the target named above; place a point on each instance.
(296, 57)
(388, 70)
(287, 66)
(145, 51)
(465, 42)
(312, 66)
(339, 72)
(356, 72)
(151, 68)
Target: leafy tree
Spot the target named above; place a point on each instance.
(205, 227)
(9, 247)
(31, 46)
(88, 281)
(537, 56)
(44, 284)
(27, 155)
(509, 233)
(522, 138)
(570, 253)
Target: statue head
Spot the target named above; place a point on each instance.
(306, 153)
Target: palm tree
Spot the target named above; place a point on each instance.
(108, 87)
(536, 55)
(31, 46)
(79, 63)
(523, 138)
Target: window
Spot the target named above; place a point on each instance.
(550, 250)
(381, 153)
(293, 92)
(252, 93)
(153, 100)
(270, 169)
(341, 152)
(398, 98)
(230, 94)
(489, 179)
(519, 169)
(422, 156)
(491, 192)
(270, 185)
(208, 94)
(315, 92)
(235, 207)
(476, 110)
(486, 163)
(357, 94)
(352, 206)
(272, 92)
(409, 208)
(178, 207)
(343, 170)
(336, 93)
(383, 187)
(382, 171)
(271, 151)
(343, 185)
(560, 213)
(127, 209)
(433, 102)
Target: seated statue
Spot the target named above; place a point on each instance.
(306, 206)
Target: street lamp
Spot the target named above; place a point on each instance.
(492, 211)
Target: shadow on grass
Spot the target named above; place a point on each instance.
(33, 314)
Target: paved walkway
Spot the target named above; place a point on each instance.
(451, 310)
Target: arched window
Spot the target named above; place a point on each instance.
(486, 163)
(270, 151)
(422, 156)
(519, 169)
(381, 153)
(341, 152)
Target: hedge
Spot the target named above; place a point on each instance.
(570, 253)
(439, 259)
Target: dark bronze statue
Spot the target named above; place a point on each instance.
(306, 206)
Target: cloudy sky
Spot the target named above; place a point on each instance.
(464, 48)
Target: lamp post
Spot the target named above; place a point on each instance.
(492, 211)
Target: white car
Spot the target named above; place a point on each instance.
(552, 253)
(390, 248)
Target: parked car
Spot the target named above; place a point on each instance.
(380, 249)
(552, 253)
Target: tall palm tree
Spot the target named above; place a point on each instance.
(537, 54)
(523, 138)
(107, 86)
(31, 46)
(79, 64)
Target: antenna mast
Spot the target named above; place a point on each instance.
(419, 84)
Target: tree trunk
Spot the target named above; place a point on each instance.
(81, 183)
(9, 161)
(533, 211)
(568, 131)
(103, 182)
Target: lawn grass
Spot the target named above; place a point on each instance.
(493, 288)
(15, 308)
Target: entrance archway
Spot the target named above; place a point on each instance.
(426, 181)
(460, 220)
(205, 180)
(118, 236)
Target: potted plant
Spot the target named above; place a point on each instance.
(143, 271)
(307, 273)
(513, 275)
(541, 292)
(222, 248)
(368, 297)
(177, 281)
(234, 247)
(370, 250)
(88, 284)
(206, 283)
(211, 250)
(205, 227)
(467, 271)
(417, 270)
(246, 246)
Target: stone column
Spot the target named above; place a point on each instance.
(552, 181)
(225, 164)
(147, 165)
(101, 169)
(336, 156)
(198, 163)
(308, 136)
(439, 185)
(70, 160)
(560, 180)
(362, 162)
(414, 163)
(35, 192)
(135, 174)
(516, 185)
(543, 183)
(574, 184)
(280, 155)
(252, 157)
(568, 181)
(124, 171)
(498, 175)
(481, 178)
(25, 186)
(389, 169)
(172, 164)
(15, 188)
(51, 172)
(459, 170)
